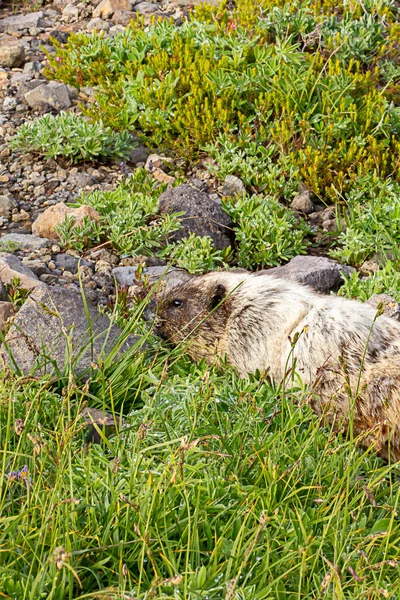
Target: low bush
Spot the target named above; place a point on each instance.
(266, 231)
(384, 281)
(73, 137)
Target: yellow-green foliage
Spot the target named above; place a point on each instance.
(316, 85)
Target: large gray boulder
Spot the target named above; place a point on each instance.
(202, 216)
(321, 273)
(52, 329)
(25, 21)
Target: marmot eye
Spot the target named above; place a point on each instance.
(177, 303)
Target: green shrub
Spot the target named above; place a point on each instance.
(384, 281)
(130, 220)
(373, 221)
(266, 231)
(297, 81)
(196, 254)
(73, 137)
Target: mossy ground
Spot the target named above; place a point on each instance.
(219, 488)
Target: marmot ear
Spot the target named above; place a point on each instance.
(218, 295)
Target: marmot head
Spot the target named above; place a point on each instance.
(197, 311)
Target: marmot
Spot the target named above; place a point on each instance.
(346, 353)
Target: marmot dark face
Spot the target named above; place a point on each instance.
(198, 312)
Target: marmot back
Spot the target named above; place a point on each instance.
(349, 356)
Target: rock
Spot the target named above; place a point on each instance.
(202, 215)
(391, 308)
(100, 421)
(7, 310)
(59, 36)
(146, 8)
(97, 24)
(369, 267)
(26, 241)
(55, 215)
(37, 266)
(107, 8)
(51, 95)
(122, 17)
(70, 12)
(165, 275)
(52, 321)
(233, 186)
(303, 203)
(104, 256)
(11, 268)
(26, 21)
(154, 161)
(320, 273)
(318, 217)
(10, 104)
(6, 206)
(81, 180)
(139, 154)
(162, 177)
(12, 53)
(66, 262)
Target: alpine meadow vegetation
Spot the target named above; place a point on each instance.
(213, 487)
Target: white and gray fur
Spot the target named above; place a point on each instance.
(346, 354)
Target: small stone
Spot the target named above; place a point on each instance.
(44, 226)
(97, 24)
(391, 308)
(329, 225)
(154, 161)
(51, 95)
(12, 53)
(7, 310)
(303, 203)
(70, 12)
(233, 186)
(70, 264)
(9, 104)
(11, 267)
(107, 8)
(146, 8)
(6, 206)
(100, 422)
(369, 267)
(162, 177)
(36, 266)
(105, 256)
(25, 241)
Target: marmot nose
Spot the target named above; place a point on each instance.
(149, 313)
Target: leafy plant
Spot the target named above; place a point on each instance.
(384, 281)
(16, 294)
(72, 136)
(266, 231)
(79, 237)
(373, 221)
(130, 214)
(196, 254)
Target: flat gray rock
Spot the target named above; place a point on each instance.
(26, 21)
(26, 241)
(126, 276)
(53, 94)
(202, 216)
(53, 320)
(319, 272)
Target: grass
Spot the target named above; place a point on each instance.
(216, 488)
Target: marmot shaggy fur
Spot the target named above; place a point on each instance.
(343, 350)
